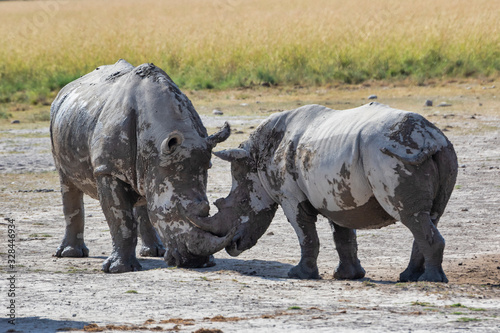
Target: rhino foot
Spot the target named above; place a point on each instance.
(434, 275)
(116, 264)
(411, 274)
(72, 251)
(306, 269)
(152, 251)
(349, 272)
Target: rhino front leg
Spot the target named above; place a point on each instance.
(151, 243)
(117, 204)
(72, 244)
(347, 248)
(303, 218)
(427, 253)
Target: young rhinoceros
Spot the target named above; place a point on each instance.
(129, 137)
(361, 168)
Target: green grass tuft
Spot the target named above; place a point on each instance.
(131, 291)
(294, 308)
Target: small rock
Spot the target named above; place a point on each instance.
(244, 104)
(270, 233)
(443, 104)
(428, 102)
(372, 97)
(480, 104)
(465, 209)
(15, 122)
(463, 166)
(217, 112)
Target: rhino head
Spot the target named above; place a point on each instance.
(246, 213)
(173, 158)
(176, 191)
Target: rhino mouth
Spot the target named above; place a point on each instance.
(193, 247)
(233, 249)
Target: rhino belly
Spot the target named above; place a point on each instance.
(370, 215)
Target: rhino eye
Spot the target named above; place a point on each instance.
(243, 201)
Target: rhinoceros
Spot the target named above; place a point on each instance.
(130, 138)
(361, 168)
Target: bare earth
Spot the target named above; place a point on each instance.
(252, 292)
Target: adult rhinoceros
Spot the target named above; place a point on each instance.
(129, 137)
(360, 168)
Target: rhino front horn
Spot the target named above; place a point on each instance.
(219, 136)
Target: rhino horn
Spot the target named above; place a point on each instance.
(219, 136)
(215, 225)
(232, 154)
(209, 244)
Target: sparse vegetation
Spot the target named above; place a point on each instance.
(467, 319)
(457, 305)
(131, 292)
(221, 44)
(418, 303)
(294, 308)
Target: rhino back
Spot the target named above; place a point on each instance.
(99, 120)
(330, 153)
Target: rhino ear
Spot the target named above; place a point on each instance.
(232, 154)
(172, 142)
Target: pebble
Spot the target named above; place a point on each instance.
(444, 104)
(217, 112)
(428, 102)
(372, 97)
(15, 122)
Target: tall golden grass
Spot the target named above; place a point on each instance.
(228, 43)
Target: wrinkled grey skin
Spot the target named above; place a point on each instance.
(361, 168)
(130, 138)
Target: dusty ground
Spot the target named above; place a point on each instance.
(252, 292)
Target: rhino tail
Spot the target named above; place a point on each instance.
(447, 165)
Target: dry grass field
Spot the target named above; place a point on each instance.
(234, 43)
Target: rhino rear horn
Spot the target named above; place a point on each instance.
(232, 154)
(219, 136)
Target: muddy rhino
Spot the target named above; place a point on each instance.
(362, 168)
(130, 138)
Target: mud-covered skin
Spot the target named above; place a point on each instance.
(129, 137)
(361, 168)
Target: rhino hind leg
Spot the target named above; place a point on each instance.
(73, 244)
(151, 243)
(303, 219)
(415, 267)
(429, 246)
(117, 204)
(349, 267)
